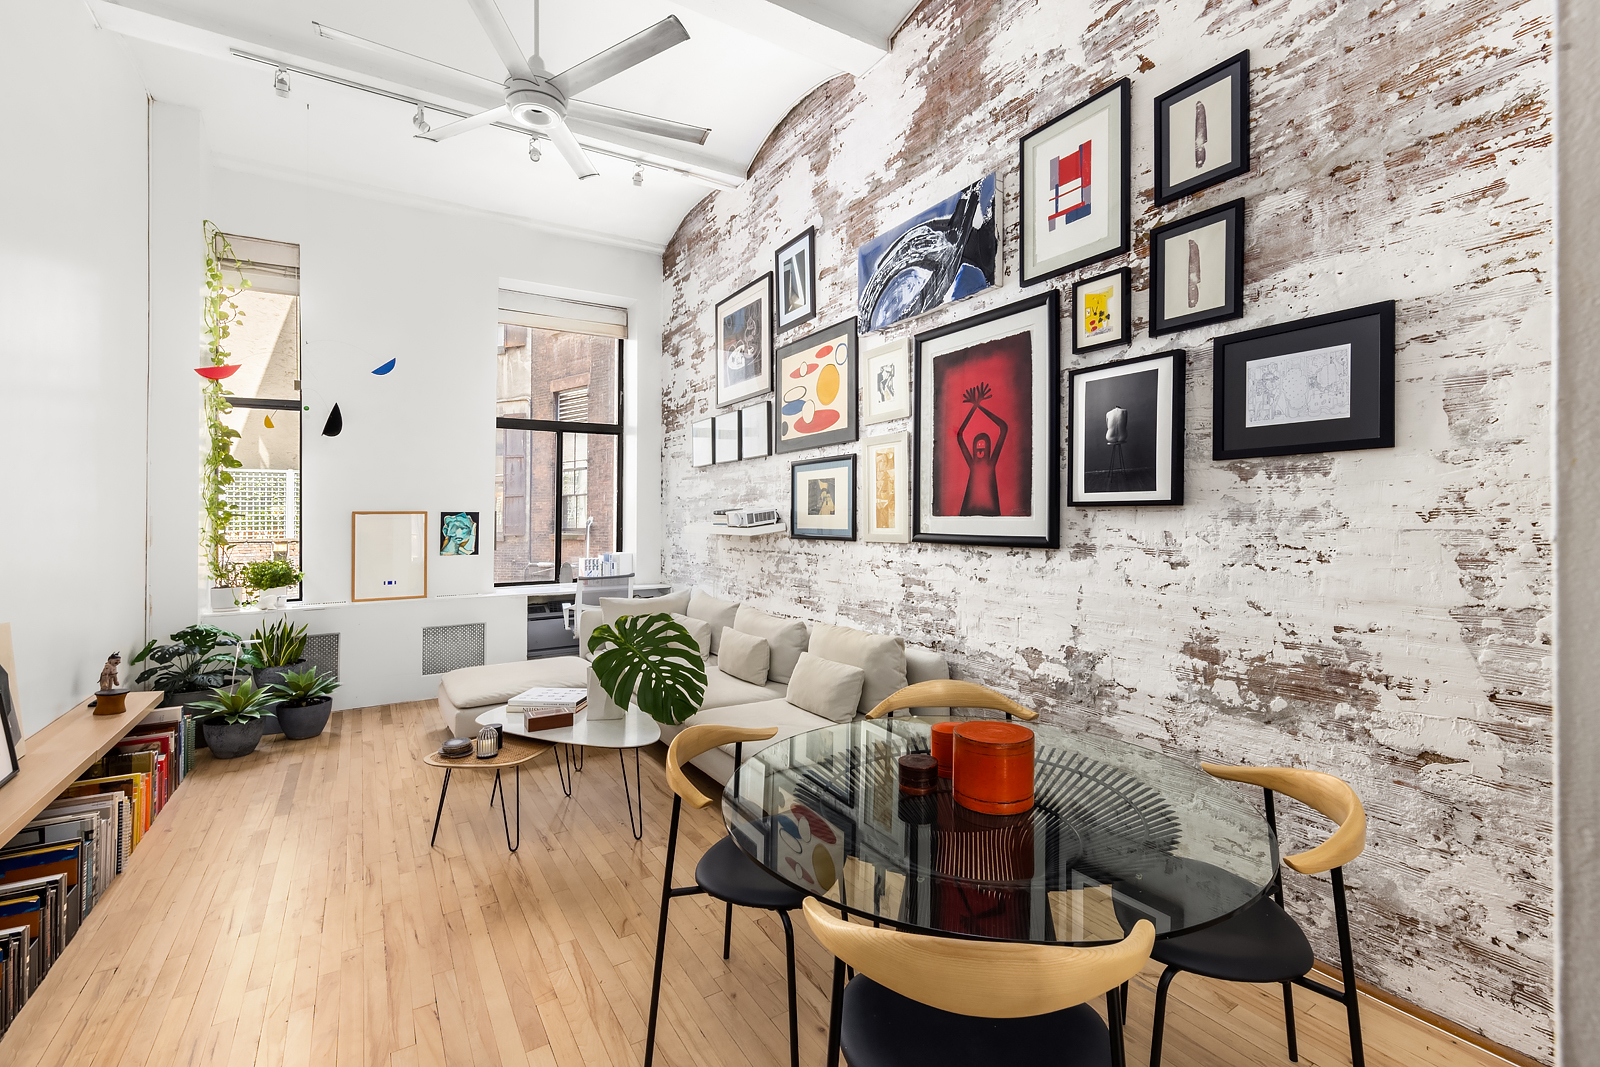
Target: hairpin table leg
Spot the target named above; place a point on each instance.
(637, 796)
(504, 821)
(440, 813)
(564, 769)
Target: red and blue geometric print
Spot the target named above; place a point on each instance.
(1069, 186)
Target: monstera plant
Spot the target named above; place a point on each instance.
(650, 660)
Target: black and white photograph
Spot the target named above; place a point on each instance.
(1197, 269)
(1125, 445)
(1100, 312)
(886, 373)
(1074, 187)
(702, 443)
(1323, 384)
(744, 342)
(797, 280)
(725, 437)
(822, 499)
(946, 253)
(755, 430)
(1203, 130)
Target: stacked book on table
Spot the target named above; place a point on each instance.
(545, 708)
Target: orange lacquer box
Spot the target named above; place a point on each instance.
(943, 735)
(993, 764)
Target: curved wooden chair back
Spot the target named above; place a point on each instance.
(987, 979)
(697, 739)
(1325, 793)
(950, 693)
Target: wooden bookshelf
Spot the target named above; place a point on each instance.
(59, 753)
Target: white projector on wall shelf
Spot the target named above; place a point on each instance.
(754, 516)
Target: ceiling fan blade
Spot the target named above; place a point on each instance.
(571, 150)
(505, 45)
(471, 122)
(441, 69)
(584, 111)
(619, 57)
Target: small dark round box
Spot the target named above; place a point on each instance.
(456, 747)
(919, 774)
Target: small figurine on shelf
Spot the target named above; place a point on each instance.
(108, 673)
(111, 698)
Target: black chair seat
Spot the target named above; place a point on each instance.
(881, 1028)
(728, 874)
(1260, 944)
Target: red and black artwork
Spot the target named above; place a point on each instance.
(983, 429)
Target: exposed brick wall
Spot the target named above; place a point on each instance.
(1384, 614)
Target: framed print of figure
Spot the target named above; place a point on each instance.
(817, 389)
(797, 280)
(1197, 269)
(1125, 432)
(885, 506)
(886, 370)
(822, 499)
(1100, 317)
(744, 342)
(1203, 130)
(755, 433)
(1074, 187)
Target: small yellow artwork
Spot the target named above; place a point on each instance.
(883, 496)
(1097, 311)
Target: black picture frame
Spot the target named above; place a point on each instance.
(845, 509)
(445, 540)
(8, 717)
(1032, 179)
(807, 240)
(725, 437)
(1235, 70)
(1120, 313)
(759, 292)
(803, 383)
(1248, 419)
(1146, 435)
(1201, 265)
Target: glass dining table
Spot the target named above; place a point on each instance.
(1117, 833)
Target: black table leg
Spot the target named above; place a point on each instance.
(636, 824)
(503, 819)
(836, 1013)
(494, 788)
(440, 813)
(564, 769)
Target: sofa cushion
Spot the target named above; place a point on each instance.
(774, 711)
(882, 658)
(698, 629)
(925, 665)
(724, 690)
(496, 683)
(745, 656)
(588, 619)
(615, 607)
(716, 611)
(787, 637)
(826, 687)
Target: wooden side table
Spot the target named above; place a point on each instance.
(514, 752)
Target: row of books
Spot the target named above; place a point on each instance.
(59, 867)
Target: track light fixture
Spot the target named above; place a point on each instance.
(280, 82)
(420, 121)
(533, 149)
(638, 176)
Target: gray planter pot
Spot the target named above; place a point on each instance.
(178, 700)
(265, 676)
(309, 721)
(231, 740)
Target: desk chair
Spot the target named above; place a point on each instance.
(950, 693)
(588, 594)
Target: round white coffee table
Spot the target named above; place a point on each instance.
(634, 730)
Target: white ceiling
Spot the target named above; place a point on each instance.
(746, 64)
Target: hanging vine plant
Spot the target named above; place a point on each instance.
(221, 312)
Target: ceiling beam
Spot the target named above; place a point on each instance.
(814, 29)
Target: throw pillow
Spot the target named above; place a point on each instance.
(718, 612)
(698, 629)
(826, 688)
(744, 656)
(786, 636)
(615, 607)
(883, 658)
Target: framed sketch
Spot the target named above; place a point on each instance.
(1323, 384)
(885, 506)
(388, 555)
(458, 533)
(725, 437)
(744, 342)
(1100, 316)
(886, 369)
(943, 254)
(1074, 187)
(11, 727)
(986, 425)
(822, 499)
(797, 280)
(702, 443)
(817, 389)
(755, 430)
(1125, 432)
(1197, 269)
(1203, 130)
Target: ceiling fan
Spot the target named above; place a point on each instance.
(541, 103)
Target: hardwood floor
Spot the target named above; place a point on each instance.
(286, 909)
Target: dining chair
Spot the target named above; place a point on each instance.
(921, 1001)
(724, 872)
(1263, 943)
(950, 693)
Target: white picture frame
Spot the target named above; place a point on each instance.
(886, 382)
(725, 437)
(886, 488)
(755, 430)
(388, 555)
(702, 443)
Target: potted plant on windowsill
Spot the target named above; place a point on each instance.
(273, 651)
(270, 581)
(234, 726)
(650, 659)
(200, 659)
(304, 702)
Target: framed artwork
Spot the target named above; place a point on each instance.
(11, 727)
(1197, 269)
(887, 372)
(1323, 384)
(1100, 315)
(986, 428)
(817, 389)
(755, 430)
(9, 689)
(702, 443)
(725, 437)
(1074, 187)
(822, 499)
(1125, 432)
(946, 253)
(797, 280)
(885, 506)
(458, 533)
(388, 555)
(1203, 130)
(744, 343)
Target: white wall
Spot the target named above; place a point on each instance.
(72, 352)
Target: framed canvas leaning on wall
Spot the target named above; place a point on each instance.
(388, 555)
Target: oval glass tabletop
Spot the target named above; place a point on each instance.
(1117, 833)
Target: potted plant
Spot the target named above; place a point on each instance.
(275, 650)
(305, 703)
(650, 659)
(233, 727)
(270, 581)
(201, 658)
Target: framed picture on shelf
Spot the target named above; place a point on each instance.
(886, 369)
(1125, 432)
(725, 437)
(817, 390)
(1197, 269)
(986, 428)
(458, 533)
(1074, 187)
(885, 506)
(1100, 316)
(797, 280)
(10, 726)
(822, 499)
(702, 443)
(755, 430)
(388, 557)
(1203, 130)
(943, 254)
(744, 342)
(1323, 384)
